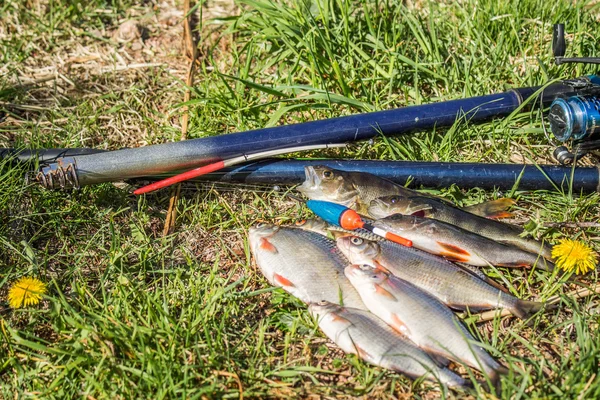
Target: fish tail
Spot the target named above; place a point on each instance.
(495, 379)
(545, 265)
(525, 309)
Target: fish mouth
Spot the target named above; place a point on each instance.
(311, 181)
(350, 271)
(343, 244)
(377, 206)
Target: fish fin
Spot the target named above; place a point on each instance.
(362, 353)
(268, 246)
(479, 274)
(339, 318)
(398, 325)
(453, 252)
(384, 292)
(380, 267)
(500, 215)
(495, 284)
(525, 309)
(491, 209)
(441, 359)
(284, 282)
(544, 264)
(496, 382)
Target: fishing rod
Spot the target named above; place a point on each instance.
(573, 116)
(184, 155)
(289, 172)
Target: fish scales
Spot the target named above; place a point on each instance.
(435, 209)
(450, 283)
(362, 333)
(457, 244)
(421, 317)
(304, 263)
(356, 190)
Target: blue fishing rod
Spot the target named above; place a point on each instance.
(574, 117)
(123, 164)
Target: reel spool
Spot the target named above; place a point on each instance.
(575, 118)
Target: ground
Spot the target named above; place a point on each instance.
(131, 313)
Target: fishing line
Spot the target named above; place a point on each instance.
(206, 169)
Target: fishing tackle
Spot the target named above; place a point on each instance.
(346, 218)
(575, 118)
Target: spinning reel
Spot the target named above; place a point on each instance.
(575, 116)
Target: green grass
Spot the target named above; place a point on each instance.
(133, 314)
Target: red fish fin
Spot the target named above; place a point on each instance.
(492, 209)
(453, 252)
(282, 281)
(268, 246)
(501, 214)
(384, 292)
(362, 353)
(380, 267)
(338, 318)
(399, 326)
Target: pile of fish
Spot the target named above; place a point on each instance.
(393, 305)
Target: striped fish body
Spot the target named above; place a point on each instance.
(457, 244)
(421, 206)
(448, 282)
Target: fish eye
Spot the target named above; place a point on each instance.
(365, 267)
(327, 174)
(356, 240)
(394, 200)
(261, 224)
(322, 303)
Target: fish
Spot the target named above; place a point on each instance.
(457, 244)
(305, 264)
(453, 285)
(431, 208)
(316, 225)
(362, 333)
(425, 320)
(356, 190)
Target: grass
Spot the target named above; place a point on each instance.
(133, 314)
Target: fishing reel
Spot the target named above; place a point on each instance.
(575, 115)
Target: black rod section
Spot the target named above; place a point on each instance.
(423, 174)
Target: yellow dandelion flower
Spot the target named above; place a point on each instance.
(26, 292)
(573, 255)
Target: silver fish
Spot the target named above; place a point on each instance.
(432, 208)
(356, 190)
(457, 244)
(450, 283)
(362, 333)
(421, 317)
(305, 264)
